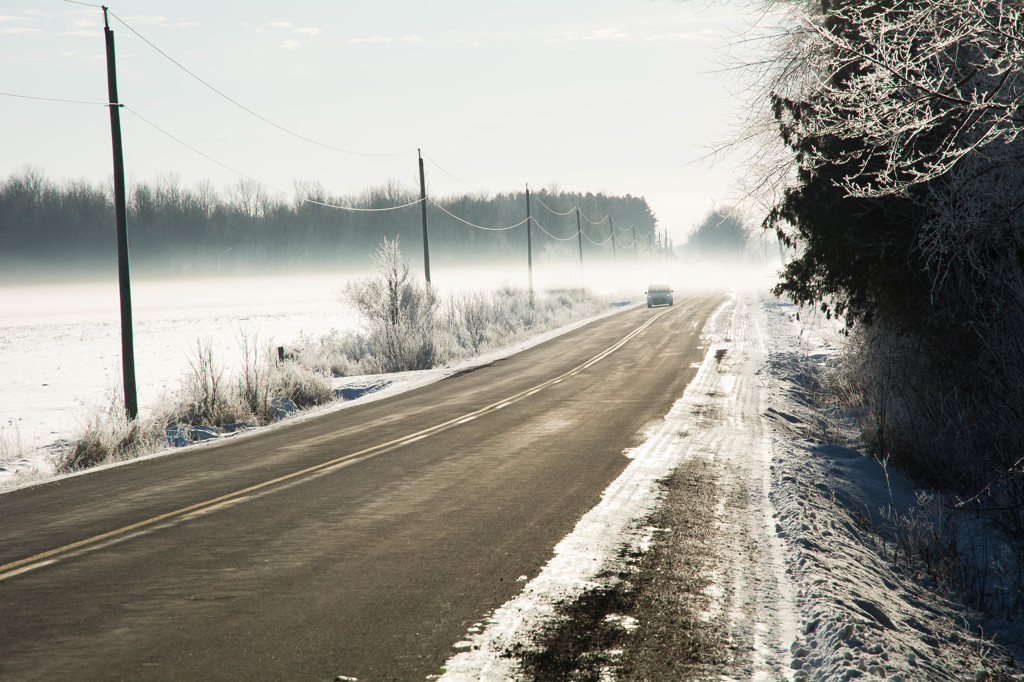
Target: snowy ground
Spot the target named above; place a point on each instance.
(860, 615)
(800, 586)
(60, 344)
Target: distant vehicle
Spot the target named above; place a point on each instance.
(659, 294)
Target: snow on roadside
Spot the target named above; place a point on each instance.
(817, 601)
(712, 420)
(862, 616)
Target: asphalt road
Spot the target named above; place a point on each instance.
(362, 543)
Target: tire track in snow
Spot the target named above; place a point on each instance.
(756, 593)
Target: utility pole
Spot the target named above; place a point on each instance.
(423, 209)
(131, 404)
(579, 239)
(634, 241)
(529, 241)
(611, 228)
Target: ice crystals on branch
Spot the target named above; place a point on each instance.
(922, 85)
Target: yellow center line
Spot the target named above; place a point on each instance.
(46, 558)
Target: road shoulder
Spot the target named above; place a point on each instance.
(718, 563)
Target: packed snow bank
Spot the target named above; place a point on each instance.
(862, 616)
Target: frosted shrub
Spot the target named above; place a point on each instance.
(479, 320)
(108, 436)
(10, 444)
(937, 416)
(406, 326)
(957, 440)
(560, 306)
(400, 314)
(303, 386)
(253, 388)
(205, 397)
(513, 312)
(337, 353)
(471, 320)
(208, 399)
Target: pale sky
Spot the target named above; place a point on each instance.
(617, 96)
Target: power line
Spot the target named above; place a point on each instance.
(571, 210)
(320, 203)
(440, 168)
(587, 237)
(291, 195)
(314, 142)
(305, 200)
(559, 239)
(575, 234)
(242, 106)
(55, 99)
(489, 229)
(593, 222)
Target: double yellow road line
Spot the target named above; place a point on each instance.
(48, 557)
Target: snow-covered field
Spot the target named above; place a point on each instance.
(60, 344)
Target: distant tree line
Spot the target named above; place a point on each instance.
(724, 234)
(175, 229)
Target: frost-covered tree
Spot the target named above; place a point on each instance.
(400, 313)
(925, 84)
(722, 234)
(903, 118)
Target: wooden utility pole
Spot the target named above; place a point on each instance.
(423, 209)
(579, 239)
(529, 241)
(131, 404)
(634, 241)
(611, 228)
